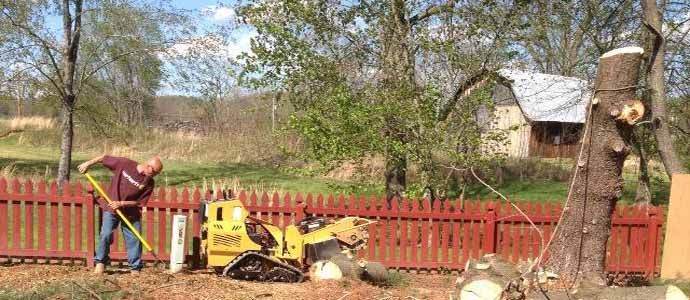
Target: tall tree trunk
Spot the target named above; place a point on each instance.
(19, 105)
(72, 33)
(398, 71)
(643, 194)
(656, 47)
(66, 141)
(395, 178)
(579, 247)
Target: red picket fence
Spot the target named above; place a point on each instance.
(38, 223)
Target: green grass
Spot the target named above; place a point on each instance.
(547, 190)
(41, 162)
(550, 190)
(20, 159)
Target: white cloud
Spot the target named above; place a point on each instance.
(240, 43)
(204, 45)
(218, 13)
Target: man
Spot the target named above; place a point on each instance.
(130, 188)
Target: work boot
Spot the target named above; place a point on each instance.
(134, 271)
(99, 269)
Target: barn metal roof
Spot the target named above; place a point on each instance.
(545, 97)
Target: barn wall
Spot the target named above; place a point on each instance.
(509, 119)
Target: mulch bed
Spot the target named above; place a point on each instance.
(153, 283)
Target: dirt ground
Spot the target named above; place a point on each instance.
(26, 281)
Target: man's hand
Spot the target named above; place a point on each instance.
(84, 167)
(115, 204)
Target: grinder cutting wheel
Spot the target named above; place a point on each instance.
(130, 188)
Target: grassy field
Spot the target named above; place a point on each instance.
(41, 162)
(23, 156)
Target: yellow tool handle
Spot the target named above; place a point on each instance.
(119, 213)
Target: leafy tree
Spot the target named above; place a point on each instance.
(568, 37)
(388, 79)
(206, 69)
(61, 56)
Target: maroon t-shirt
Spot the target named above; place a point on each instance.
(126, 185)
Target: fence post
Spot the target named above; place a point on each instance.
(490, 228)
(652, 241)
(300, 207)
(90, 226)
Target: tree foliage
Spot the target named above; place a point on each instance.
(383, 79)
(68, 58)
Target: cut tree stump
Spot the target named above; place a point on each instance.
(489, 278)
(375, 272)
(348, 266)
(579, 247)
(324, 270)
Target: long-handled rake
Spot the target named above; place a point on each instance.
(124, 219)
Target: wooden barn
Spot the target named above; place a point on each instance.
(541, 114)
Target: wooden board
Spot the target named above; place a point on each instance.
(675, 262)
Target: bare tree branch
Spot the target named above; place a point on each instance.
(47, 46)
(465, 88)
(430, 11)
(44, 74)
(110, 61)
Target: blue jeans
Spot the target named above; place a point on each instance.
(110, 222)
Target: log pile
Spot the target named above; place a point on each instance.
(492, 278)
(344, 266)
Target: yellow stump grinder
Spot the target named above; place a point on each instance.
(244, 247)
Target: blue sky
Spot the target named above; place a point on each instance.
(197, 4)
(214, 13)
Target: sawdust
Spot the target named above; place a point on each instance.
(154, 283)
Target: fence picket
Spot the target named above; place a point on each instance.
(90, 225)
(612, 259)
(78, 212)
(162, 214)
(275, 214)
(382, 237)
(4, 217)
(505, 232)
(638, 237)
(404, 244)
(16, 217)
(265, 212)
(53, 219)
(414, 237)
(392, 230)
(445, 239)
(371, 230)
(66, 207)
(181, 198)
(623, 260)
(28, 216)
(435, 231)
(515, 240)
(456, 232)
(426, 207)
(287, 214)
(547, 225)
(330, 203)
